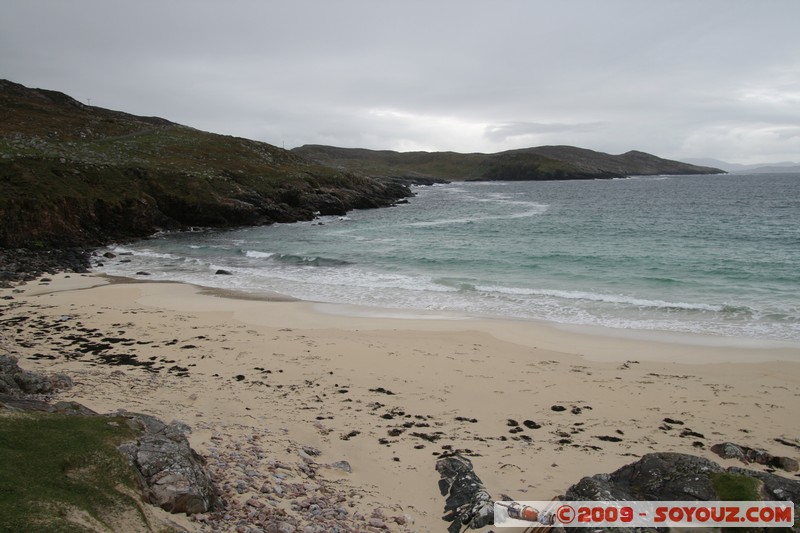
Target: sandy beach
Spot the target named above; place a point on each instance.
(266, 383)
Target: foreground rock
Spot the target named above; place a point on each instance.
(16, 382)
(468, 502)
(656, 476)
(676, 476)
(173, 475)
(682, 477)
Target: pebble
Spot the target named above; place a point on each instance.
(343, 465)
(305, 456)
(310, 450)
(377, 522)
(252, 502)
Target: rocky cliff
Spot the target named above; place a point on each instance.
(76, 175)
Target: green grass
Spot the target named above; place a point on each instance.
(735, 487)
(54, 465)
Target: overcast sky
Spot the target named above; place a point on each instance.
(680, 79)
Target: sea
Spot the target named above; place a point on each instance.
(717, 255)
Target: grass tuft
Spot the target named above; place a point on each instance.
(57, 467)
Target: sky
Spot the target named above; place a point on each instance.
(677, 78)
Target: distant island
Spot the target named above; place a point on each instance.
(78, 175)
(527, 164)
(758, 168)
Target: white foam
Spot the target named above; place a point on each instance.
(258, 255)
(537, 209)
(599, 297)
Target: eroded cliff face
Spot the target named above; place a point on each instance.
(75, 175)
(81, 218)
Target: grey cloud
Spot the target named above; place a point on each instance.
(509, 130)
(468, 75)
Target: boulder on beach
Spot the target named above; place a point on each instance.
(173, 475)
(15, 381)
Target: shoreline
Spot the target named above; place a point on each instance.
(598, 342)
(404, 389)
(684, 333)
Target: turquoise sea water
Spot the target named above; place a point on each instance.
(708, 254)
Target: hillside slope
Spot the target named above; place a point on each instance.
(72, 174)
(633, 163)
(541, 163)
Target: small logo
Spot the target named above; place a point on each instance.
(565, 514)
(627, 514)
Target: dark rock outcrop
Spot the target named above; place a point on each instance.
(17, 264)
(674, 476)
(468, 502)
(678, 477)
(776, 487)
(656, 476)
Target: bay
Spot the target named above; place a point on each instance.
(718, 255)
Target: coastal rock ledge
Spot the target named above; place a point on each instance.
(678, 476)
(683, 477)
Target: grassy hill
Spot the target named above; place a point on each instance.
(72, 174)
(541, 163)
(63, 473)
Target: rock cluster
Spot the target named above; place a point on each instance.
(729, 450)
(301, 493)
(21, 264)
(15, 381)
